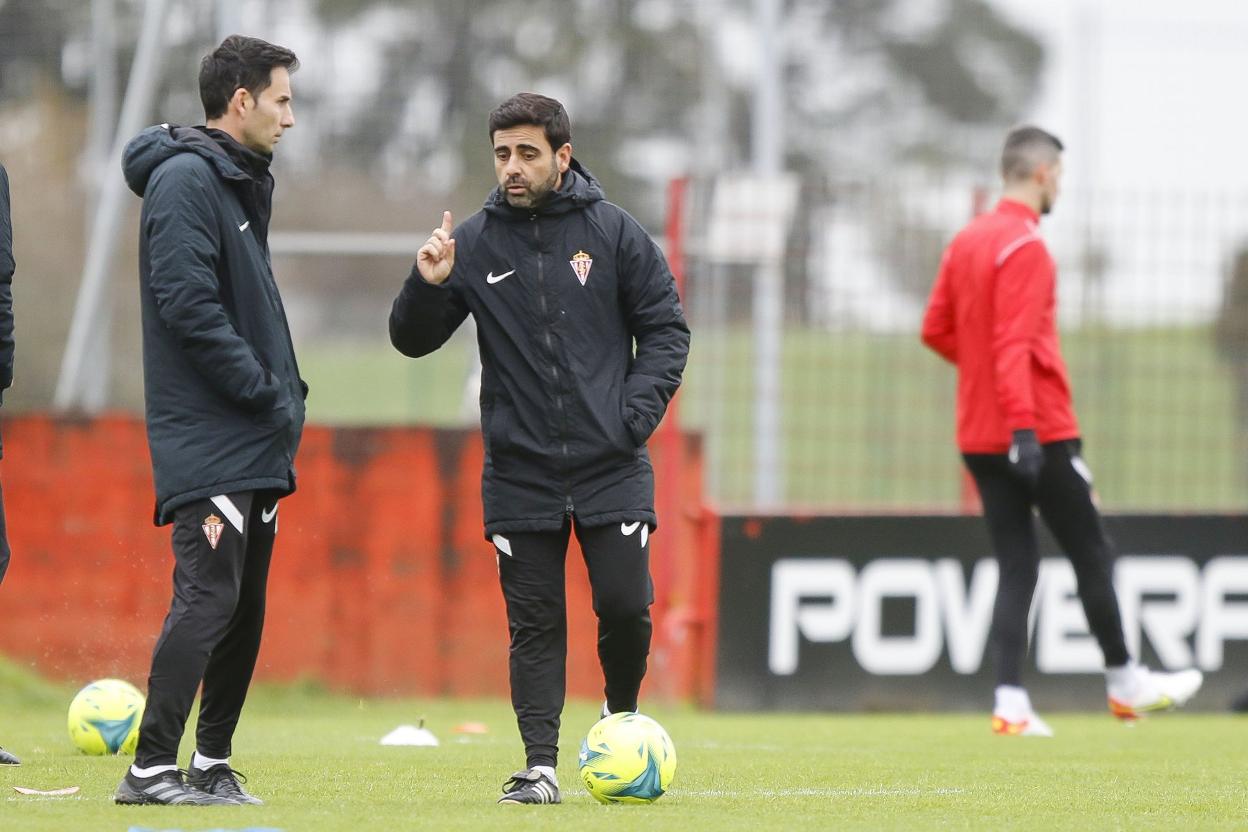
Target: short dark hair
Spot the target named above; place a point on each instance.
(1026, 147)
(239, 62)
(538, 110)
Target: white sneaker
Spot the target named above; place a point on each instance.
(1025, 725)
(1013, 716)
(1140, 691)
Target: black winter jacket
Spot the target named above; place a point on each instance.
(6, 321)
(7, 267)
(559, 294)
(224, 400)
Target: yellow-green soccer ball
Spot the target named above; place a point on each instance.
(627, 758)
(104, 717)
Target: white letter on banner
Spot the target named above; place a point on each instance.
(1223, 619)
(1166, 623)
(967, 620)
(905, 654)
(1063, 644)
(794, 579)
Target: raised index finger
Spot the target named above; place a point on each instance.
(446, 222)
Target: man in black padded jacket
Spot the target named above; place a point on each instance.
(224, 407)
(562, 285)
(7, 267)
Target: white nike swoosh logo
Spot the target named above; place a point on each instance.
(266, 516)
(490, 278)
(628, 528)
(243, 227)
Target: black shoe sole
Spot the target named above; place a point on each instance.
(243, 800)
(127, 796)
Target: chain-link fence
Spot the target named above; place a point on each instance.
(1158, 358)
(807, 376)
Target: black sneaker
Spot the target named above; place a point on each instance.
(166, 788)
(222, 781)
(529, 787)
(7, 759)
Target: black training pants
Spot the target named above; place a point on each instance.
(1064, 498)
(531, 571)
(222, 547)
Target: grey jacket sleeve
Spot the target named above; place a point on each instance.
(183, 245)
(657, 323)
(424, 316)
(7, 268)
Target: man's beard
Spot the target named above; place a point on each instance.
(534, 194)
(1046, 204)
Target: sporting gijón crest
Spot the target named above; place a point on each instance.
(581, 264)
(213, 527)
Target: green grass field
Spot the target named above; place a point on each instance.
(315, 759)
(867, 419)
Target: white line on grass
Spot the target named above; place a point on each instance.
(736, 746)
(858, 792)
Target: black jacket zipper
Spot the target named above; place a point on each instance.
(554, 362)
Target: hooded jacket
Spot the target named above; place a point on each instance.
(224, 400)
(560, 293)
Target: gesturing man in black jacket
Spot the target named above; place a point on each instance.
(561, 284)
(7, 267)
(224, 407)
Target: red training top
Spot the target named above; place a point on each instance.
(993, 313)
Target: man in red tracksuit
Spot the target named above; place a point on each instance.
(993, 314)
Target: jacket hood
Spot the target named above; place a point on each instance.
(578, 190)
(156, 145)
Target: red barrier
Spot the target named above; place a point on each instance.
(382, 582)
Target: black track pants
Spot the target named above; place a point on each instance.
(531, 571)
(222, 548)
(1064, 498)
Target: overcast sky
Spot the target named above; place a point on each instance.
(1145, 92)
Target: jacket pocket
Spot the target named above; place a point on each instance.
(628, 437)
(498, 428)
(635, 434)
(281, 415)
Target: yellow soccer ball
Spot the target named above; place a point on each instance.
(627, 758)
(104, 717)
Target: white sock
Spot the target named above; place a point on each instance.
(1012, 703)
(150, 770)
(1123, 680)
(201, 762)
(549, 771)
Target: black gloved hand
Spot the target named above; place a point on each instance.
(1026, 456)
